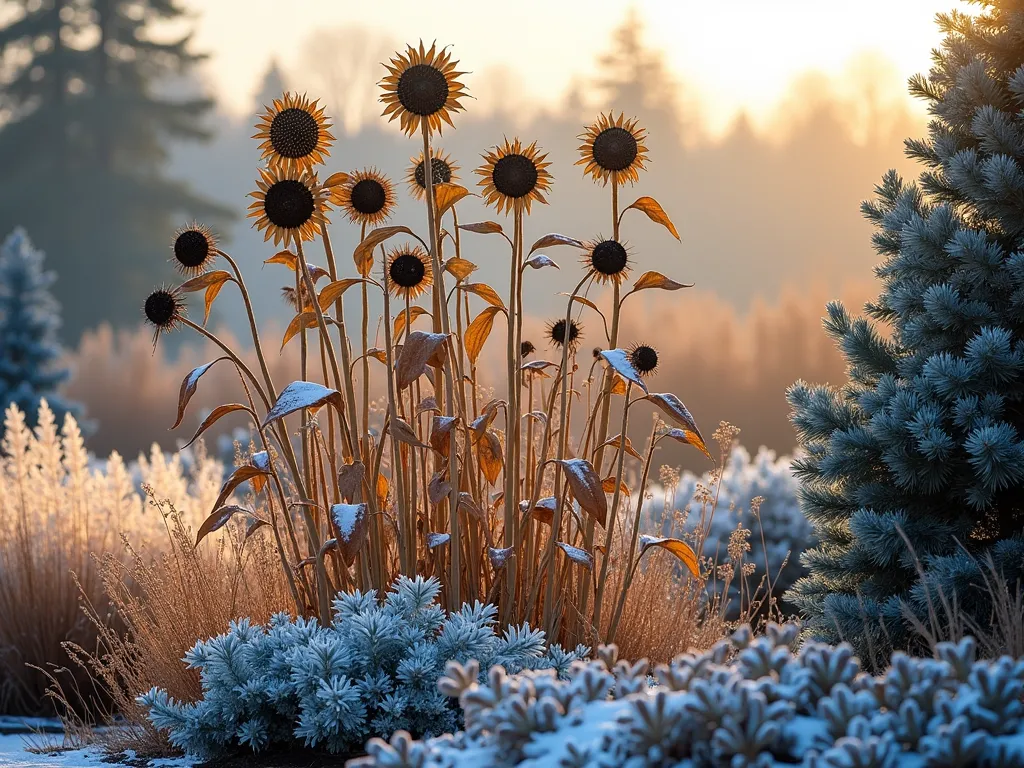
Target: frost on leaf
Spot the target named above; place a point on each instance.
(435, 540)
(619, 360)
(302, 394)
(499, 557)
(350, 520)
(577, 555)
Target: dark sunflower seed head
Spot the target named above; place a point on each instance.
(407, 270)
(289, 204)
(526, 349)
(294, 133)
(515, 175)
(422, 90)
(369, 197)
(615, 148)
(557, 332)
(609, 257)
(644, 359)
(440, 172)
(192, 249)
(163, 308)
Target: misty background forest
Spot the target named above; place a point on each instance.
(101, 176)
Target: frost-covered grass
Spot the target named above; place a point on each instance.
(746, 702)
(755, 506)
(372, 672)
(58, 509)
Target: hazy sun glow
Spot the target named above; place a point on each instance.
(740, 55)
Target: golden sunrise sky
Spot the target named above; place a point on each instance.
(735, 55)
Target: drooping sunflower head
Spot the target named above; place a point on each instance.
(558, 334)
(513, 176)
(613, 149)
(367, 197)
(290, 205)
(422, 86)
(195, 248)
(164, 310)
(609, 260)
(409, 271)
(644, 359)
(295, 133)
(526, 348)
(442, 171)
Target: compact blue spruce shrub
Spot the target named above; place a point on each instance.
(914, 469)
(374, 671)
(30, 369)
(758, 495)
(746, 703)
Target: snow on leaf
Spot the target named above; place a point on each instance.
(619, 360)
(435, 540)
(302, 394)
(261, 460)
(577, 555)
(499, 557)
(351, 523)
(540, 260)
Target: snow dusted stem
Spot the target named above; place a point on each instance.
(441, 318)
(563, 447)
(613, 510)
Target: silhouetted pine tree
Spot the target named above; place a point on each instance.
(84, 150)
(29, 319)
(925, 439)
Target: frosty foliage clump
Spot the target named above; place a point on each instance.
(914, 469)
(758, 495)
(30, 369)
(372, 672)
(745, 703)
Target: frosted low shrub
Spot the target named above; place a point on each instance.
(374, 671)
(759, 495)
(746, 702)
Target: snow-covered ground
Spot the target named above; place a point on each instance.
(18, 736)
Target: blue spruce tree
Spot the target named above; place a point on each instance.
(914, 471)
(29, 319)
